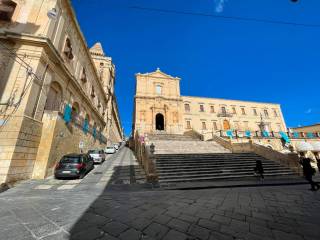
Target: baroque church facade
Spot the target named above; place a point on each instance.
(160, 108)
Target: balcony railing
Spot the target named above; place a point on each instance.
(267, 134)
(224, 114)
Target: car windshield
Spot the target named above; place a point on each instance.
(70, 159)
(109, 147)
(93, 151)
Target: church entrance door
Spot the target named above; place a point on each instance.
(159, 122)
(226, 125)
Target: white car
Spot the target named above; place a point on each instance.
(110, 150)
(97, 155)
(116, 146)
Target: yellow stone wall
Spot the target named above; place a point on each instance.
(32, 61)
(237, 120)
(19, 141)
(59, 139)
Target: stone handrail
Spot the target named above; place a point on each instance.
(290, 160)
(145, 158)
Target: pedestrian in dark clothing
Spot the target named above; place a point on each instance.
(308, 172)
(259, 169)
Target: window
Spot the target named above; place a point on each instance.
(188, 124)
(158, 89)
(275, 113)
(212, 109)
(234, 111)
(83, 77)
(7, 9)
(243, 111)
(68, 49)
(214, 126)
(187, 107)
(223, 110)
(204, 126)
(201, 108)
(266, 113)
(92, 92)
(255, 112)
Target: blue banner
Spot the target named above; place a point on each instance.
(285, 137)
(265, 134)
(86, 126)
(94, 133)
(248, 133)
(310, 135)
(67, 113)
(296, 135)
(229, 133)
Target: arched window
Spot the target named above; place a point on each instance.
(54, 97)
(75, 111)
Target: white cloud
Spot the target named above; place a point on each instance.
(219, 5)
(308, 111)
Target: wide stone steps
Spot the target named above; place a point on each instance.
(168, 137)
(219, 169)
(215, 166)
(221, 177)
(186, 144)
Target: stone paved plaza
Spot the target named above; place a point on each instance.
(90, 209)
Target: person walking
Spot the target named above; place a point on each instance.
(308, 172)
(259, 169)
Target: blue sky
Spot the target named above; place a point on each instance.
(221, 58)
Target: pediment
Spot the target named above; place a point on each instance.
(158, 74)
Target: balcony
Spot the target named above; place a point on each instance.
(224, 114)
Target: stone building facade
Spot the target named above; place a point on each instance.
(159, 107)
(314, 128)
(54, 91)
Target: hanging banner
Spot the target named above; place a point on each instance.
(94, 133)
(85, 126)
(67, 113)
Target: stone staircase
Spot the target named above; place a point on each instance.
(173, 168)
(175, 144)
(172, 137)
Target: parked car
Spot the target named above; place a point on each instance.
(97, 155)
(116, 146)
(110, 150)
(73, 166)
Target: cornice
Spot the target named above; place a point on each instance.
(154, 98)
(230, 100)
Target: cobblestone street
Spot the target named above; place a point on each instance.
(90, 209)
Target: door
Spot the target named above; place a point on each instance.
(226, 125)
(159, 122)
